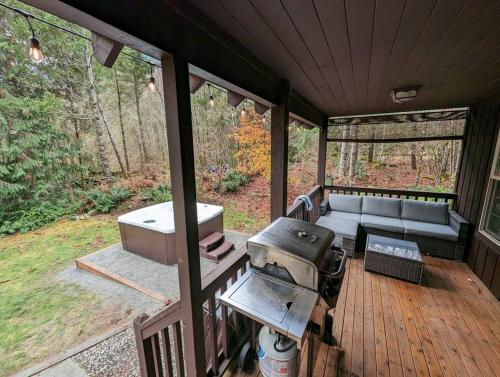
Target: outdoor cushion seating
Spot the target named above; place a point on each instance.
(349, 216)
(420, 228)
(345, 230)
(389, 207)
(345, 203)
(389, 224)
(437, 230)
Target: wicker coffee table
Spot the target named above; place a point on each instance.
(393, 257)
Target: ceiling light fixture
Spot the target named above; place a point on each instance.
(403, 95)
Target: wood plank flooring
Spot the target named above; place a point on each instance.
(448, 326)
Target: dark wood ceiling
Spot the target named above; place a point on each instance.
(345, 57)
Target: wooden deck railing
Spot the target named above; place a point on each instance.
(159, 338)
(298, 210)
(447, 197)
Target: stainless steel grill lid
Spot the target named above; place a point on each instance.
(295, 245)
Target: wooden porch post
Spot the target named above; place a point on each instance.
(323, 135)
(180, 148)
(279, 156)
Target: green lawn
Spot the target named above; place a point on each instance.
(240, 221)
(39, 314)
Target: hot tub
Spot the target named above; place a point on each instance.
(150, 231)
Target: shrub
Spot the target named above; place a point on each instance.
(37, 216)
(105, 201)
(360, 170)
(231, 181)
(158, 194)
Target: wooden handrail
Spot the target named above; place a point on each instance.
(162, 319)
(298, 210)
(166, 326)
(355, 190)
(396, 140)
(224, 270)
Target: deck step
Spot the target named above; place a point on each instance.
(211, 242)
(220, 252)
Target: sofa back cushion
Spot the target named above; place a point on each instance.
(429, 212)
(345, 203)
(389, 207)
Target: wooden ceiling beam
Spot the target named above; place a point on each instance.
(105, 50)
(260, 108)
(195, 83)
(234, 99)
(173, 27)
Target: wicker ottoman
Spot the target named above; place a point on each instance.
(394, 257)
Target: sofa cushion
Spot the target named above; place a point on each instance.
(389, 224)
(344, 216)
(419, 228)
(388, 207)
(344, 228)
(430, 212)
(345, 203)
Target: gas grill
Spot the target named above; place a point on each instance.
(293, 265)
(301, 253)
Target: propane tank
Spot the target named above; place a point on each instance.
(278, 354)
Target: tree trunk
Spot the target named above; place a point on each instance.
(343, 153)
(101, 144)
(442, 166)
(120, 115)
(419, 163)
(142, 140)
(113, 143)
(371, 148)
(413, 148)
(413, 156)
(353, 158)
(382, 146)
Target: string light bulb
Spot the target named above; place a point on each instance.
(264, 118)
(211, 102)
(243, 112)
(152, 82)
(34, 49)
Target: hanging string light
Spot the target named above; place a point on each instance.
(34, 49)
(243, 112)
(152, 82)
(263, 118)
(211, 101)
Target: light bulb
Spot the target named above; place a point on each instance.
(34, 50)
(152, 84)
(263, 119)
(243, 112)
(211, 101)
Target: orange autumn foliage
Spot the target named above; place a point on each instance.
(254, 146)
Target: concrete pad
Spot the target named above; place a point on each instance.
(149, 274)
(67, 368)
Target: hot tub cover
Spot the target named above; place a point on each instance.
(160, 217)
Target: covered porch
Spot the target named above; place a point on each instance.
(447, 326)
(308, 62)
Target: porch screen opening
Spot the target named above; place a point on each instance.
(490, 221)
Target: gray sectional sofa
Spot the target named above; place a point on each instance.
(437, 230)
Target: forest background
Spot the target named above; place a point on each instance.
(78, 139)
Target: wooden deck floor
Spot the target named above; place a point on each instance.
(448, 326)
